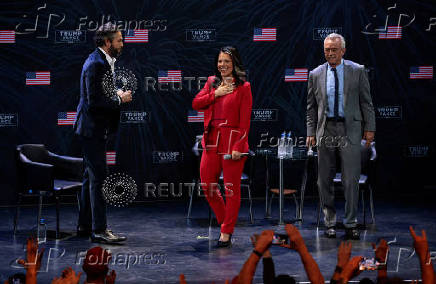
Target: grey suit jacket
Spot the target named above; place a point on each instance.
(358, 108)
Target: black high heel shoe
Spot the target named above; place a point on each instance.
(226, 244)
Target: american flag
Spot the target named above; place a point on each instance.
(174, 76)
(67, 118)
(38, 78)
(296, 75)
(111, 157)
(7, 36)
(268, 34)
(136, 36)
(391, 33)
(194, 116)
(421, 72)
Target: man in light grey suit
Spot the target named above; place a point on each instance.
(339, 114)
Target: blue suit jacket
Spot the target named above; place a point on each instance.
(97, 113)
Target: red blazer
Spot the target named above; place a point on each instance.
(234, 132)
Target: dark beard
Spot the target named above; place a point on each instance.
(114, 53)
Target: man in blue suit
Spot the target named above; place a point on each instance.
(98, 115)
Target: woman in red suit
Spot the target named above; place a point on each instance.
(226, 102)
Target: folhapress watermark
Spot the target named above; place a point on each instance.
(125, 259)
(267, 140)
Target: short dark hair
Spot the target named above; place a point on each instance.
(238, 68)
(106, 31)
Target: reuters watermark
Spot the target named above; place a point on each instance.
(176, 190)
(184, 83)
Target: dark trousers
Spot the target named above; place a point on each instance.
(92, 211)
(334, 141)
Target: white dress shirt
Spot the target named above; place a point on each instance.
(111, 61)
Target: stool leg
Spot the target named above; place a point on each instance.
(371, 204)
(250, 204)
(300, 212)
(267, 212)
(78, 199)
(210, 217)
(191, 193)
(297, 208)
(270, 203)
(17, 213)
(57, 216)
(39, 214)
(319, 214)
(319, 206)
(363, 207)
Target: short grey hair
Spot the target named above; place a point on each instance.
(335, 35)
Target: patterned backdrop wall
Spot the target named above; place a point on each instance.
(170, 48)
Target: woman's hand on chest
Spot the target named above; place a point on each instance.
(224, 89)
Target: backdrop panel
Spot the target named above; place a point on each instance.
(395, 40)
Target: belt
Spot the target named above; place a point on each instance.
(336, 119)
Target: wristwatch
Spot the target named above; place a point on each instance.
(257, 253)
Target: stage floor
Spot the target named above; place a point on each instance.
(162, 243)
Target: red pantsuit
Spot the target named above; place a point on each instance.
(226, 127)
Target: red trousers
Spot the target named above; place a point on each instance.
(211, 166)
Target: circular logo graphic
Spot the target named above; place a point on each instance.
(122, 79)
(119, 189)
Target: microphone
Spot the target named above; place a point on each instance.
(229, 156)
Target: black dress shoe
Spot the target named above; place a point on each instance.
(225, 244)
(352, 234)
(83, 232)
(330, 233)
(106, 237)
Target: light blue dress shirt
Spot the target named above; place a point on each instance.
(331, 90)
